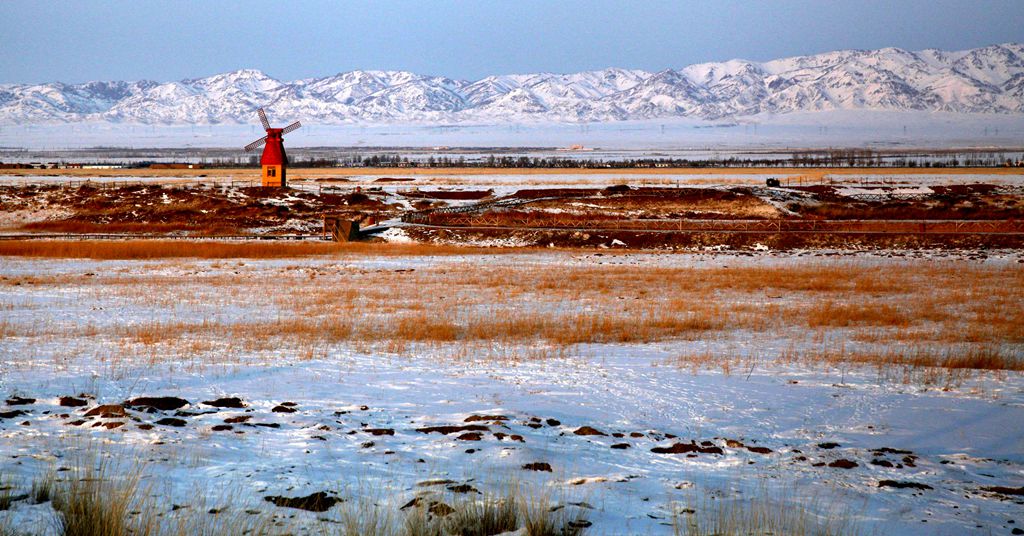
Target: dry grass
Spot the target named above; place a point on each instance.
(765, 514)
(94, 502)
(832, 314)
(949, 315)
(512, 510)
(85, 227)
(164, 249)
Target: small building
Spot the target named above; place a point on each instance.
(340, 229)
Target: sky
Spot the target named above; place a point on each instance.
(44, 41)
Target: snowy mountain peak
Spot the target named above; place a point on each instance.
(988, 79)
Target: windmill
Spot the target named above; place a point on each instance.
(274, 161)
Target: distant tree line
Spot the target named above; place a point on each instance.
(797, 160)
(806, 159)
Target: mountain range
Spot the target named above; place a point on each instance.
(981, 80)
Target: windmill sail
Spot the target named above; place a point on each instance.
(256, 143)
(263, 119)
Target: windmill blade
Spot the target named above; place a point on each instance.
(256, 143)
(263, 119)
(291, 127)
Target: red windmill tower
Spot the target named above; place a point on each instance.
(274, 161)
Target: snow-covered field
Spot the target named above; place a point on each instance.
(359, 412)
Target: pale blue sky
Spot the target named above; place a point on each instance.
(44, 41)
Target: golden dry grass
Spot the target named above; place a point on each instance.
(951, 315)
(212, 249)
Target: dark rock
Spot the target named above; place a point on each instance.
(734, 444)
(440, 509)
(19, 401)
(1005, 490)
(843, 464)
(553, 422)
(315, 502)
(902, 485)
(71, 402)
(588, 431)
(230, 402)
(111, 425)
(887, 450)
(237, 420)
(760, 450)
(162, 403)
(470, 436)
(684, 448)
(12, 414)
(463, 488)
(283, 409)
(881, 463)
(289, 404)
(368, 444)
(636, 434)
(579, 524)
(380, 431)
(678, 448)
(435, 482)
(478, 418)
(620, 446)
(76, 423)
(171, 421)
(145, 426)
(107, 411)
(517, 437)
(222, 427)
(183, 413)
(538, 466)
(828, 445)
(452, 429)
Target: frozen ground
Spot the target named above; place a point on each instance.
(358, 416)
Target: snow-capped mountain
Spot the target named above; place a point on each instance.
(986, 80)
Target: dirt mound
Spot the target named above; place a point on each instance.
(314, 502)
(162, 209)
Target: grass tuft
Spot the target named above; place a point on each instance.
(94, 502)
(762, 514)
